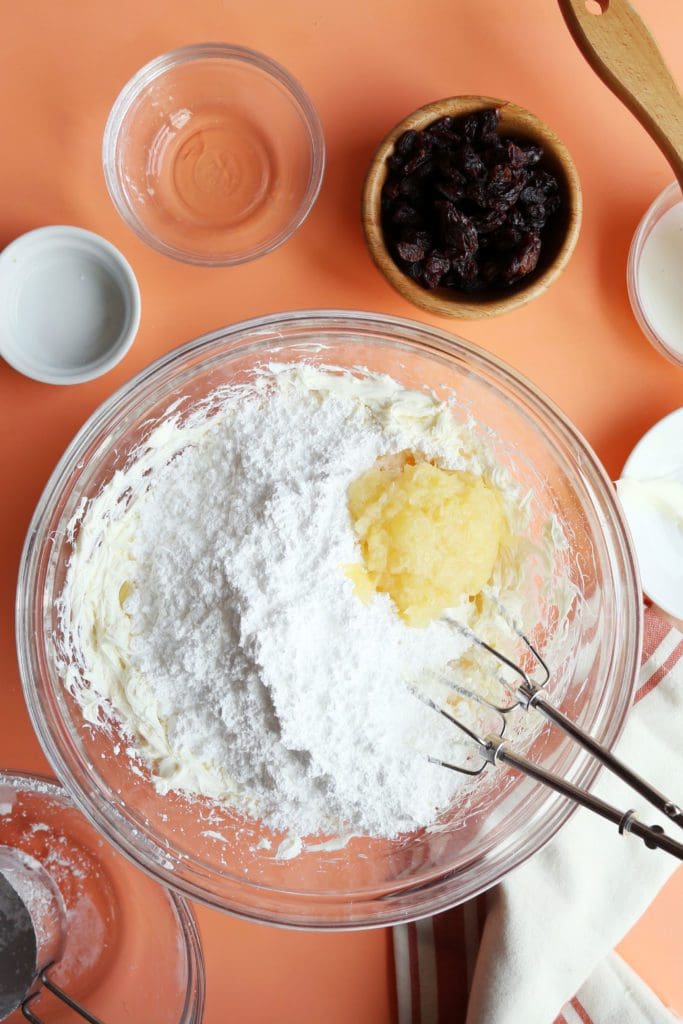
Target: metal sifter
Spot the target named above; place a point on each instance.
(83, 933)
(33, 925)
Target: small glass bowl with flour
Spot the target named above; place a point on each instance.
(655, 273)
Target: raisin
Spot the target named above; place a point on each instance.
(423, 168)
(442, 126)
(435, 266)
(452, 189)
(458, 234)
(409, 187)
(468, 276)
(506, 238)
(487, 125)
(532, 195)
(493, 155)
(421, 155)
(468, 126)
(469, 162)
(488, 271)
(414, 246)
(466, 267)
(524, 259)
(463, 207)
(391, 189)
(395, 163)
(445, 142)
(522, 154)
(446, 168)
(405, 143)
(546, 181)
(515, 154)
(504, 184)
(488, 220)
(536, 215)
(516, 218)
(414, 270)
(405, 214)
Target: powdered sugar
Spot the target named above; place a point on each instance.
(262, 661)
(214, 614)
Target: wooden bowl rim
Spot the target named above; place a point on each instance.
(440, 300)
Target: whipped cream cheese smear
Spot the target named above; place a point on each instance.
(207, 615)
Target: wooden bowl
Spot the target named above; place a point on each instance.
(558, 241)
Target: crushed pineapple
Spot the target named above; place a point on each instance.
(428, 536)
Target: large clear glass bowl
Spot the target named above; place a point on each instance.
(215, 856)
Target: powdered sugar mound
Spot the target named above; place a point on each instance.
(206, 606)
(263, 664)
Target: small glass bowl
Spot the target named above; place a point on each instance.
(213, 154)
(661, 205)
(131, 950)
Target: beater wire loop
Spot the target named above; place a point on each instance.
(529, 695)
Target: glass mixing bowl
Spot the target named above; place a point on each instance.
(215, 856)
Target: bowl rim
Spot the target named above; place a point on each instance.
(556, 810)
(195, 995)
(230, 53)
(440, 300)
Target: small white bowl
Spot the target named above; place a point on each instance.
(69, 305)
(664, 202)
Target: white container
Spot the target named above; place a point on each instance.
(69, 305)
(655, 273)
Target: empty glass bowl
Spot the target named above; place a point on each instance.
(211, 854)
(213, 154)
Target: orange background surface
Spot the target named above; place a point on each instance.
(365, 64)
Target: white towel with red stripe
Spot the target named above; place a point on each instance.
(539, 947)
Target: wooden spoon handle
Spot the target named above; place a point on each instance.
(618, 46)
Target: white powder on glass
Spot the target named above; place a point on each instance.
(212, 612)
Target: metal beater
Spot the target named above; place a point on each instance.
(527, 693)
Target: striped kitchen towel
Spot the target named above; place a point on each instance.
(538, 948)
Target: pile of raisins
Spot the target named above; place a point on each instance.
(463, 207)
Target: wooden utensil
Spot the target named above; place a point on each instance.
(618, 46)
(515, 121)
